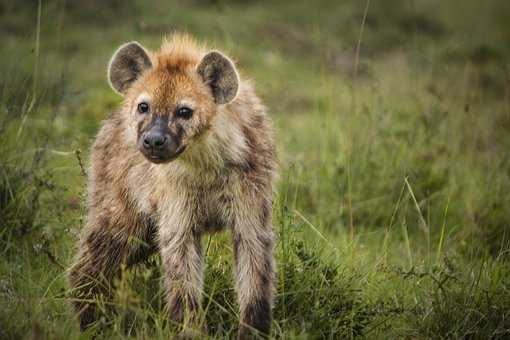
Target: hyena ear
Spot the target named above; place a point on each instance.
(220, 74)
(126, 65)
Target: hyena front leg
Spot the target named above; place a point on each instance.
(181, 253)
(253, 250)
(104, 248)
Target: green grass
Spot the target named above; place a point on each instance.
(392, 208)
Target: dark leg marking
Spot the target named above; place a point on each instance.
(257, 315)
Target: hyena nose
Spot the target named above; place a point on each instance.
(154, 141)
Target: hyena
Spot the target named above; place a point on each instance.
(191, 151)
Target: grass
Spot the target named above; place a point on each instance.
(392, 204)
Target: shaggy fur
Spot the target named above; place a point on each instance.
(223, 179)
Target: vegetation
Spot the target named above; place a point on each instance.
(393, 121)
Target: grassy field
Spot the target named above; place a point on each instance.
(393, 128)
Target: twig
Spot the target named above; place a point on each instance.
(52, 258)
(353, 109)
(360, 37)
(43, 248)
(308, 223)
(77, 152)
(208, 245)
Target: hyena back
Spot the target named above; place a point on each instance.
(191, 151)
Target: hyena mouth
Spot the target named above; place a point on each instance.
(159, 158)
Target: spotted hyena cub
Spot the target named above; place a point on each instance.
(191, 151)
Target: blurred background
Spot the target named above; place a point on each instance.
(393, 121)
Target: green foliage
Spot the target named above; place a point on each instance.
(24, 178)
(459, 306)
(319, 299)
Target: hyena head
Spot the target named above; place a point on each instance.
(171, 96)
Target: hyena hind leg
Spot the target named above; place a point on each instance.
(102, 253)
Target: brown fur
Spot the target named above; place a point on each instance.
(223, 179)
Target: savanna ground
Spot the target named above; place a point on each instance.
(393, 126)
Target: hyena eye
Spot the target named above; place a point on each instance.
(184, 112)
(143, 107)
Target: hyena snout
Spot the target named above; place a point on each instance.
(155, 141)
(159, 145)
